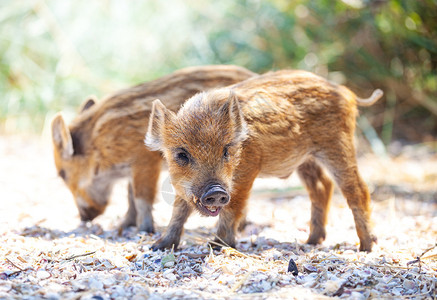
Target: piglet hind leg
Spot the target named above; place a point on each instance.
(172, 236)
(343, 165)
(130, 219)
(319, 187)
(145, 179)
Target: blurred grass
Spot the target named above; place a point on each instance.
(53, 54)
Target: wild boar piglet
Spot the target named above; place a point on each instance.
(105, 141)
(269, 125)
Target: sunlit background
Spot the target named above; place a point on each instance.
(53, 54)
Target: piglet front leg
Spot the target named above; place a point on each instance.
(235, 212)
(172, 236)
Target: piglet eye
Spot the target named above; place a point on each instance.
(62, 174)
(226, 152)
(182, 157)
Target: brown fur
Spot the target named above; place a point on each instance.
(271, 125)
(105, 141)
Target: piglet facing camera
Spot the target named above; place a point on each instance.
(269, 125)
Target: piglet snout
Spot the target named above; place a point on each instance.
(215, 195)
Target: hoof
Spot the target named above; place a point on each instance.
(366, 246)
(147, 226)
(163, 244)
(218, 244)
(316, 239)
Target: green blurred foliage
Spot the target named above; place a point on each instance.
(55, 53)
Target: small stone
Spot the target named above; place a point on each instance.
(169, 264)
(119, 292)
(107, 264)
(108, 282)
(261, 277)
(310, 268)
(95, 284)
(310, 282)
(169, 275)
(265, 286)
(140, 292)
(120, 276)
(332, 286)
(41, 275)
(273, 254)
(119, 261)
(140, 297)
(397, 291)
(52, 296)
(169, 271)
(78, 285)
(409, 284)
(87, 261)
(292, 267)
(357, 296)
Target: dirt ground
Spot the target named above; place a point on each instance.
(46, 253)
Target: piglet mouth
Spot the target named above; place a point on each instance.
(210, 211)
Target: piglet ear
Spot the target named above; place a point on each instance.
(158, 118)
(61, 137)
(236, 116)
(90, 101)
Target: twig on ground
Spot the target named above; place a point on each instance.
(224, 243)
(427, 250)
(394, 276)
(418, 258)
(13, 264)
(79, 255)
(430, 256)
(194, 255)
